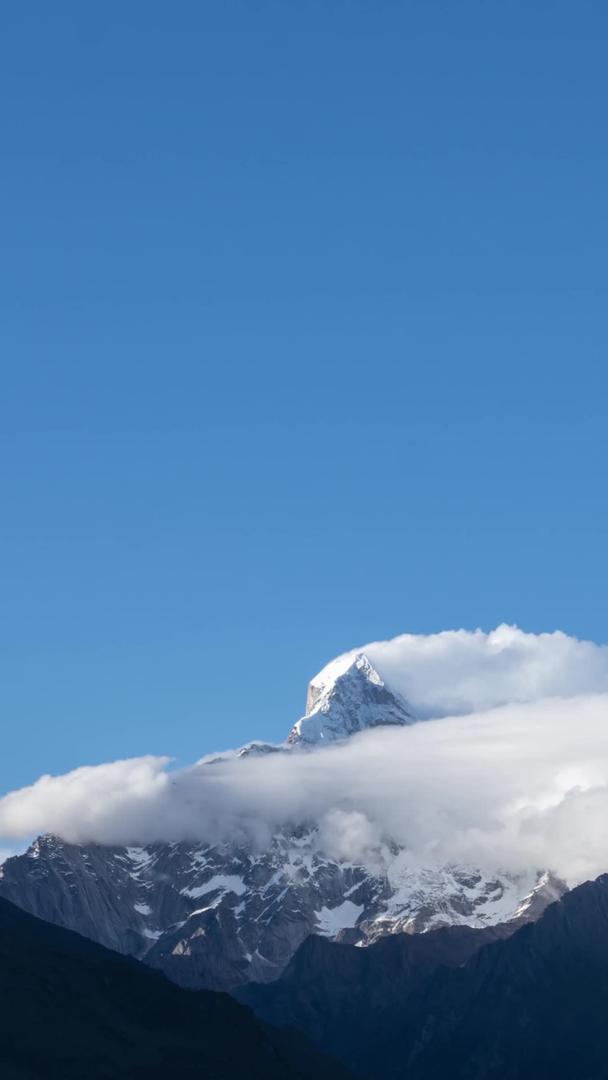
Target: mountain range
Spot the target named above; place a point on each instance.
(221, 915)
(495, 1004)
(375, 968)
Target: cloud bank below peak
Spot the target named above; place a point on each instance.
(456, 672)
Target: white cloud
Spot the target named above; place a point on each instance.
(518, 786)
(87, 802)
(463, 671)
(522, 786)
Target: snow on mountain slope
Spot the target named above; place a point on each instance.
(222, 916)
(347, 701)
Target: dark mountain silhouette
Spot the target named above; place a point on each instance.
(347, 999)
(71, 1009)
(449, 1005)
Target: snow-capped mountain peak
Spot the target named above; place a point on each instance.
(220, 913)
(355, 699)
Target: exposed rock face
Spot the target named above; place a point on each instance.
(221, 916)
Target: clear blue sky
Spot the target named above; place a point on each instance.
(303, 330)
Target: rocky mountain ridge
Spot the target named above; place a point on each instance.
(221, 916)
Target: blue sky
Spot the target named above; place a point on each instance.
(303, 324)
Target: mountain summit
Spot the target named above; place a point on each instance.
(354, 701)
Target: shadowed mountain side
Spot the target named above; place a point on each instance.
(528, 1007)
(338, 994)
(71, 1009)
(525, 1009)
